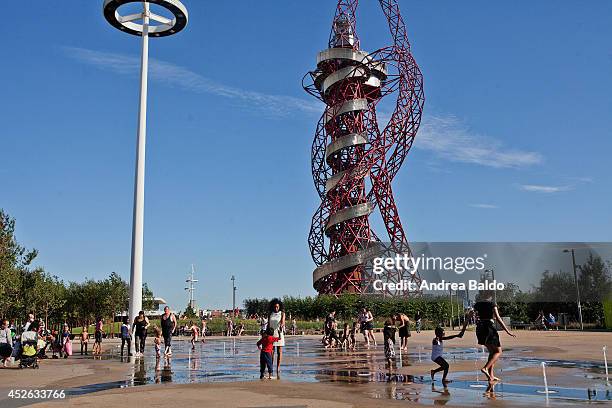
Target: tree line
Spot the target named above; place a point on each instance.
(555, 293)
(25, 289)
(347, 306)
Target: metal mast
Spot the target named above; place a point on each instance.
(144, 24)
(191, 288)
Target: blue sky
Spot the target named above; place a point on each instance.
(515, 144)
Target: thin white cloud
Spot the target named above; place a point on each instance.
(176, 76)
(583, 179)
(544, 189)
(486, 206)
(448, 138)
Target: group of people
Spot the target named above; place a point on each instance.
(484, 314)
(12, 344)
(232, 329)
(365, 325)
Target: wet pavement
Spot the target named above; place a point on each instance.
(305, 360)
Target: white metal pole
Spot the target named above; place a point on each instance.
(606, 365)
(138, 216)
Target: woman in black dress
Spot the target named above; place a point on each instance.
(486, 332)
(140, 326)
(168, 325)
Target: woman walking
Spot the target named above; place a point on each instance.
(276, 321)
(486, 332)
(168, 324)
(99, 330)
(140, 325)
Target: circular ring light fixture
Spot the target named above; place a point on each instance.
(129, 23)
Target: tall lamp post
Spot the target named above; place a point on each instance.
(495, 288)
(576, 283)
(144, 24)
(233, 294)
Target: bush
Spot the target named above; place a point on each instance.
(347, 307)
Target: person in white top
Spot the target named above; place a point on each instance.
(276, 321)
(6, 342)
(27, 324)
(437, 353)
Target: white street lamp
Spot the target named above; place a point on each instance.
(144, 24)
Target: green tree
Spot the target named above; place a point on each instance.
(14, 262)
(12, 255)
(594, 279)
(190, 313)
(148, 300)
(555, 287)
(45, 294)
(114, 297)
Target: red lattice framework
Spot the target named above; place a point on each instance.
(353, 160)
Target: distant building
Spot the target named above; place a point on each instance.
(155, 312)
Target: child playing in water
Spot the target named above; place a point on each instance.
(437, 352)
(389, 338)
(84, 339)
(157, 342)
(332, 338)
(265, 345)
(345, 337)
(126, 337)
(203, 333)
(194, 334)
(352, 341)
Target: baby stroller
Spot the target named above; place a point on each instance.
(29, 350)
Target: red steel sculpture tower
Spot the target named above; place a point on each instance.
(354, 160)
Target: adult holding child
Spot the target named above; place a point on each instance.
(486, 313)
(276, 321)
